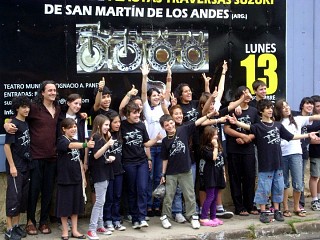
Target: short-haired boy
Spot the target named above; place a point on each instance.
(268, 134)
(17, 151)
(176, 167)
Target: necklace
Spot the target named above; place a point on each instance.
(270, 126)
(171, 136)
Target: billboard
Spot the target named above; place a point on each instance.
(77, 42)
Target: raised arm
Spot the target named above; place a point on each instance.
(145, 69)
(235, 104)
(221, 84)
(97, 100)
(233, 120)
(168, 83)
(206, 82)
(126, 98)
(206, 106)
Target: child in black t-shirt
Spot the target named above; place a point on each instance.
(17, 151)
(268, 134)
(176, 168)
(70, 174)
(213, 174)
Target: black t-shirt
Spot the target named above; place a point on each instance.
(190, 111)
(68, 162)
(268, 138)
(116, 150)
(314, 149)
(101, 111)
(99, 169)
(20, 146)
(133, 136)
(213, 172)
(176, 149)
(248, 116)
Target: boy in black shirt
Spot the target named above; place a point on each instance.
(17, 150)
(268, 136)
(176, 167)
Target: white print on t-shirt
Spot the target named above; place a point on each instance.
(273, 136)
(177, 147)
(219, 162)
(244, 119)
(133, 138)
(116, 148)
(25, 138)
(75, 155)
(192, 115)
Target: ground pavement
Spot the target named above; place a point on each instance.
(237, 227)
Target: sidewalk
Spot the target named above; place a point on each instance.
(235, 228)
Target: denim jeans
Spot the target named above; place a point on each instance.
(302, 200)
(269, 182)
(154, 176)
(137, 183)
(292, 163)
(111, 208)
(96, 219)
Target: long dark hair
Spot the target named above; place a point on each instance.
(38, 99)
(112, 116)
(206, 138)
(278, 112)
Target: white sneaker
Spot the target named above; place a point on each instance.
(103, 231)
(109, 226)
(165, 222)
(92, 235)
(144, 224)
(136, 225)
(180, 218)
(195, 222)
(120, 227)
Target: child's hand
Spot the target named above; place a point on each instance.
(223, 119)
(90, 143)
(133, 91)
(159, 136)
(173, 100)
(101, 84)
(205, 78)
(214, 142)
(224, 67)
(110, 142)
(145, 69)
(233, 119)
(13, 171)
(162, 180)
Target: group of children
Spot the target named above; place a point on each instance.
(147, 144)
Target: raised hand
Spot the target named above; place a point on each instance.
(133, 91)
(145, 69)
(173, 100)
(224, 67)
(101, 84)
(90, 143)
(205, 78)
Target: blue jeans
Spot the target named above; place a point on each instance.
(96, 219)
(269, 182)
(154, 176)
(111, 208)
(177, 204)
(292, 163)
(137, 183)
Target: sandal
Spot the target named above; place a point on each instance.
(64, 237)
(287, 213)
(244, 213)
(299, 213)
(31, 229)
(254, 212)
(44, 229)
